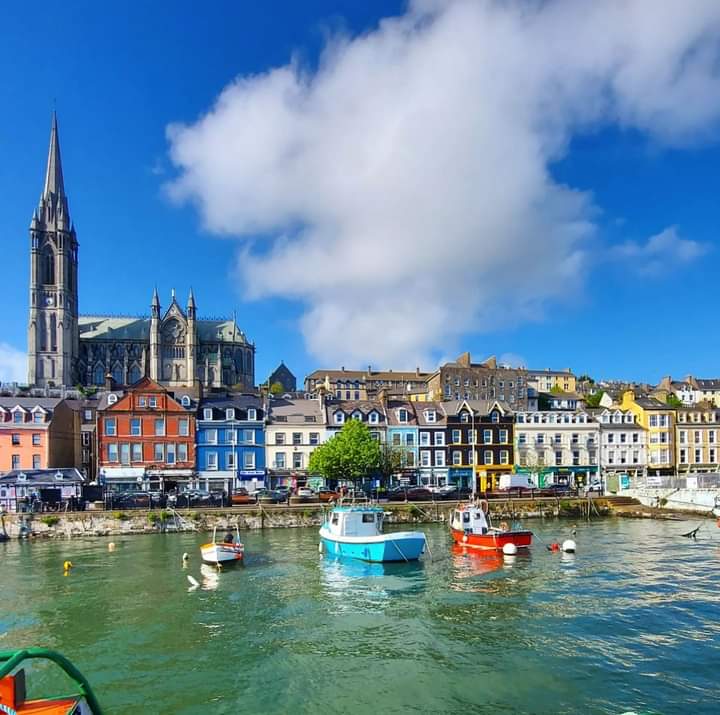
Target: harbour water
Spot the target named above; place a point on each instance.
(631, 622)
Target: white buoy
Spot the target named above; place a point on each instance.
(186, 557)
(193, 582)
(510, 549)
(111, 546)
(568, 546)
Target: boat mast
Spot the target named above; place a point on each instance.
(474, 455)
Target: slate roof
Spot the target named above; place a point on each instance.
(107, 327)
(70, 475)
(480, 407)
(295, 411)
(27, 403)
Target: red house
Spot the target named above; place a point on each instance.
(146, 438)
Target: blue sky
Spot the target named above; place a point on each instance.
(118, 77)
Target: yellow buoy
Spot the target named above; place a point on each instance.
(67, 565)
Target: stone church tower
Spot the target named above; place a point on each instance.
(53, 334)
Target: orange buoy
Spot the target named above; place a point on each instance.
(554, 546)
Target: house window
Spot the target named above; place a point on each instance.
(211, 462)
(425, 458)
(159, 453)
(124, 453)
(487, 456)
(487, 436)
(297, 460)
(557, 439)
(698, 456)
(623, 438)
(357, 416)
(170, 454)
(424, 439)
(558, 458)
(279, 438)
(280, 460)
(374, 418)
(396, 439)
(683, 456)
(160, 428)
(16, 461)
(16, 439)
(38, 418)
(297, 438)
(142, 401)
(87, 415)
(456, 436)
(207, 413)
(184, 427)
(503, 436)
(249, 436)
(231, 436)
(576, 458)
(410, 439)
(211, 436)
(504, 456)
(540, 439)
(464, 417)
(339, 418)
(230, 460)
(248, 460)
(575, 439)
(431, 416)
(713, 457)
(182, 452)
(439, 458)
(635, 457)
(314, 438)
(110, 427)
(36, 461)
(18, 417)
(409, 459)
(439, 438)
(457, 457)
(402, 415)
(152, 401)
(135, 426)
(230, 413)
(137, 455)
(522, 438)
(495, 416)
(252, 414)
(185, 401)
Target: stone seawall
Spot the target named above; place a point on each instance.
(701, 501)
(107, 523)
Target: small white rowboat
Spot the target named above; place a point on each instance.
(223, 553)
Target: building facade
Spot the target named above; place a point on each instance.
(231, 443)
(552, 380)
(465, 380)
(403, 437)
(697, 432)
(175, 348)
(623, 443)
(658, 419)
(37, 433)
(294, 428)
(146, 438)
(557, 447)
(345, 384)
(282, 376)
(433, 470)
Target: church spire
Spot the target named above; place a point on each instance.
(54, 184)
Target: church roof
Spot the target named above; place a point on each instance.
(107, 327)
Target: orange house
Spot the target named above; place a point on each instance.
(36, 433)
(146, 438)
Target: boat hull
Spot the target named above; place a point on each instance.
(223, 554)
(401, 546)
(493, 540)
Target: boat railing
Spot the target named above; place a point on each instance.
(11, 660)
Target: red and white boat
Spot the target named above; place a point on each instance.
(471, 527)
(223, 553)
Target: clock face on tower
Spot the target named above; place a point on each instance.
(49, 300)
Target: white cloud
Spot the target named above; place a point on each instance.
(402, 189)
(13, 364)
(661, 252)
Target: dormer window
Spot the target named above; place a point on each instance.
(252, 414)
(18, 417)
(402, 415)
(430, 416)
(229, 413)
(357, 415)
(207, 413)
(373, 418)
(495, 416)
(339, 418)
(38, 418)
(152, 401)
(185, 401)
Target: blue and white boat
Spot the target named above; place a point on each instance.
(356, 532)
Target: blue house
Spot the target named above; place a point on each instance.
(231, 443)
(402, 436)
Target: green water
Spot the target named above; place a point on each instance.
(630, 623)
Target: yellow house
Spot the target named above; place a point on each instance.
(659, 421)
(552, 380)
(697, 436)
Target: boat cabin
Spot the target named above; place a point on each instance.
(355, 521)
(471, 519)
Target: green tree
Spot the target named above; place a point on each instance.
(351, 454)
(390, 460)
(673, 401)
(594, 399)
(557, 390)
(276, 388)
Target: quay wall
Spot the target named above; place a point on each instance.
(108, 523)
(684, 500)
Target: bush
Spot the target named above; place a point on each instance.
(120, 516)
(50, 520)
(196, 516)
(154, 517)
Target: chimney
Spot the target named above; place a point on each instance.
(417, 371)
(342, 368)
(109, 382)
(369, 372)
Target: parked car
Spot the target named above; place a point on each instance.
(130, 500)
(556, 490)
(271, 496)
(594, 487)
(241, 496)
(305, 493)
(451, 493)
(194, 497)
(410, 494)
(326, 495)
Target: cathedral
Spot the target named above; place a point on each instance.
(173, 347)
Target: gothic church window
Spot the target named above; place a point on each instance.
(117, 374)
(53, 333)
(134, 374)
(48, 266)
(99, 374)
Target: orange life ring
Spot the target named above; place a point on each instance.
(504, 526)
(465, 538)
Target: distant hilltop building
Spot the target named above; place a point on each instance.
(174, 347)
(282, 376)
(363, 384)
